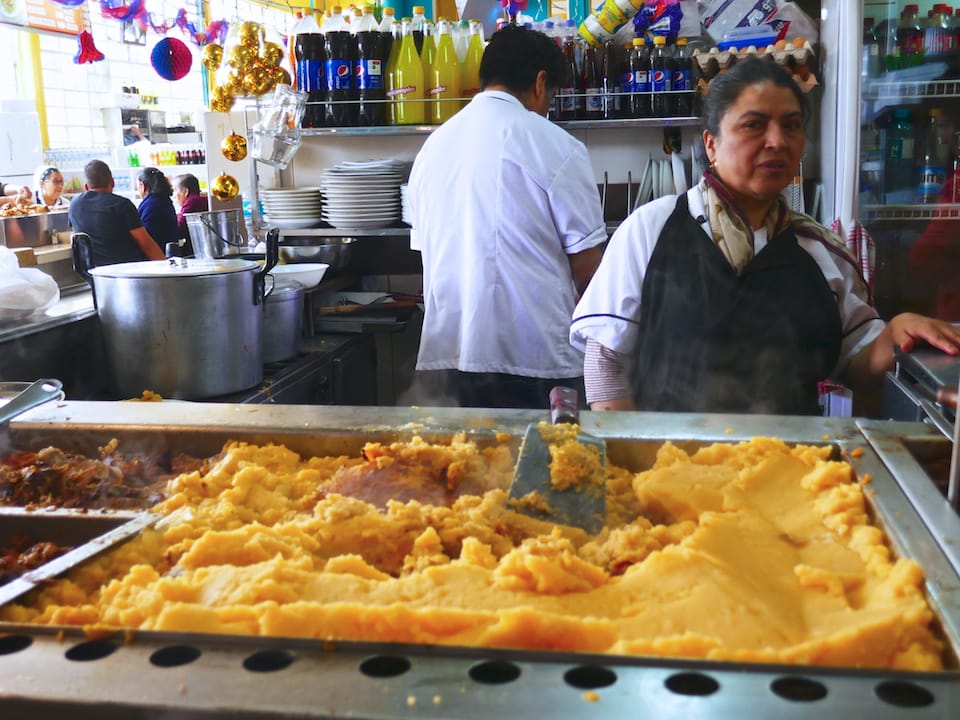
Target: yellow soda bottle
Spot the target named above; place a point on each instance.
(444, 84)
(390, 73)
(428, 51)
(408, 93)
(470, 81)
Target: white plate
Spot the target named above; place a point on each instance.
(356, 202)
(295, 208)
(280, 203)
(360, 216)
(293, 216)
(360, 224)
(295, 223)
(290, 191)
(355, 183)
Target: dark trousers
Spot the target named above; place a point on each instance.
(499, 390)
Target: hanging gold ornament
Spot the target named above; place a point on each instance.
(257, 79)
(271, 53)
(224, 187)
(233, 82)
(234, 147)
(221, 100)
(241, 56)
(211, 56)
(281, 76)
(250, 33)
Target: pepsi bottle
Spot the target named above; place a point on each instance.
(370, 69)
(308, 50)
(661, 71)
(340, 63)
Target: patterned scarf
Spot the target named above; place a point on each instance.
(734, 236)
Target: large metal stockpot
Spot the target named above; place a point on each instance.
(183, 328)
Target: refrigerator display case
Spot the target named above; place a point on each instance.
(894, 145)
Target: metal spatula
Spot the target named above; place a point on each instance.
(535, 492)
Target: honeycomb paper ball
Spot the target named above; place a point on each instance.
(171, 58)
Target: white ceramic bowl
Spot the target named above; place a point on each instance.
(307, 274)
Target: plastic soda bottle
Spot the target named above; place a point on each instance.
(640, 88)
(391, 75)
(408, 92)
(592, 85)
(470, 80)
(387, 23)
(309, 51)
(443, 85)
(682, 83)
(340, 66)
(416, 27)
(661, 68)
(370, 70)
(937, 157)
(610, 79)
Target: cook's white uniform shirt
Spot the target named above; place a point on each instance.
(609, 311)
(499, 197)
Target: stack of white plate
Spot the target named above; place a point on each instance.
(363, 194)
(405, 205)
(293, 208)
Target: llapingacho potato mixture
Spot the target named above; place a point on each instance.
(753, 552)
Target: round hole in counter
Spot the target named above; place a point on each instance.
(92, 650)
(903, 694)
(799, 689)
(589, 677)
(494, 672)
(10, 644)
(385, 666)
(174, 656)
(691, 683)
(269, 661)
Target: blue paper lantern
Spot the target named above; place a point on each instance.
(171, 58)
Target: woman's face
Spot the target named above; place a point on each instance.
(141, 189)
(757, 153)
(52, 187)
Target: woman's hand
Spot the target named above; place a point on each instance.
(906, 329)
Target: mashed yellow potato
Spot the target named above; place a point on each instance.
(749, 552)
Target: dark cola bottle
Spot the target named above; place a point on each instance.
(340, 67)
(592, 85)
(309, 52)
(682, 84)
(566, 98)
(610, 79)
(661, 71)
(371, 64)
(639, 64)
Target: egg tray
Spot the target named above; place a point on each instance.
(51, 672)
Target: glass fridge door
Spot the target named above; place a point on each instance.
(909, 185)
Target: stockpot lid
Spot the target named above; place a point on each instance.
(174, 268)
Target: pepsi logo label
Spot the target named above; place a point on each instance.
(343, 70)
(659, 76)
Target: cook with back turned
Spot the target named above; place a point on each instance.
(725, 300)
(156, 208)
(112, 222)
(506, 214)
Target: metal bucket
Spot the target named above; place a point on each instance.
(218, 233)
(282, 325)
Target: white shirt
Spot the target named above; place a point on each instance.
(499, 197)
(612, 300)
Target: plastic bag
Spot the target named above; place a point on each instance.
(24, 291)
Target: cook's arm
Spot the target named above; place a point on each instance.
(583, 265)
(866, 370)
(605, 379)
(147, 244)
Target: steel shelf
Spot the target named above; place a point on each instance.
(566, 124)
(887, 90)
(942, 211)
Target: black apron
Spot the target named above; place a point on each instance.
(713, 341)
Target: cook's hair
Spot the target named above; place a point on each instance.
(189, 183)
(725, 88)
(515, 55)
(155, 181)
(97, 174)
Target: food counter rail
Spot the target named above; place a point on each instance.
(49, 672)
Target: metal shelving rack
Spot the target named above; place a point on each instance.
(653, 122)
(899, 90)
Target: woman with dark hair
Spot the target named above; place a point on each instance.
(190, 201)
(723, 299)
(156, 207)
(49, 189)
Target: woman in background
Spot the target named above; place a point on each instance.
(49, 189)
(156, 208)
(190, 201)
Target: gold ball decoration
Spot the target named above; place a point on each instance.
(234, 147)
(271, 53)
(241, 56)
(250, 33)
(233, 82)
(211, 56)
(281, 76)
(224, 187)
(258, 79)
(221, 100)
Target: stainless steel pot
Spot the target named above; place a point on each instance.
(282, 323)
(183, 328)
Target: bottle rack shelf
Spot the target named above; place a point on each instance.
(653, 122)
(886, 90)
(943, 211)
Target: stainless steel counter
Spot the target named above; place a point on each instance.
(72, 306)
(204, 676)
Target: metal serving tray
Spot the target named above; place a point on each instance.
(54, 671)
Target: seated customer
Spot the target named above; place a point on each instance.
(187, 192)
(111, 221)
(156, 208)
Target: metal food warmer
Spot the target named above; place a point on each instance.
(57, 672)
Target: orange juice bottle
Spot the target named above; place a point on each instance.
(408, 106)
(470, 81)
(390, 73)
(443, 87)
